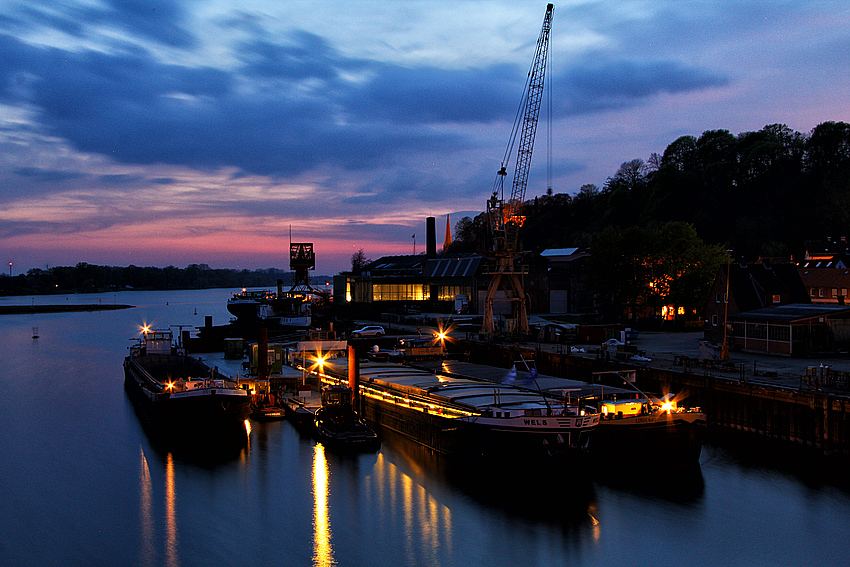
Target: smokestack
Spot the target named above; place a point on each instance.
(263, 354)
(431, 244)
(353, 375)
(448, 240)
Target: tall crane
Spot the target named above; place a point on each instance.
(505, 217)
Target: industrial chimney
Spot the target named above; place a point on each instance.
(431, 244)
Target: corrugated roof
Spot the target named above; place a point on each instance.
(559, 252)
(791, 312)
(451, 267)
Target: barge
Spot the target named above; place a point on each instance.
(179, 394)
(634, 427)
(464, 418)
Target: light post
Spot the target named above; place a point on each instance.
(724, 351)
(10, 269)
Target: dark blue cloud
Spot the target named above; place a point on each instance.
(160, 20)
(290, 106)
(306, 56)
(432, 95)
(40, 175)
(592, 86)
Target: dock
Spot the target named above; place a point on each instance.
(764, 397)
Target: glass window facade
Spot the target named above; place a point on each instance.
(400, 292)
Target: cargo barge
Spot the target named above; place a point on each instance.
(179, 394)
(634, 427)
(464, 418)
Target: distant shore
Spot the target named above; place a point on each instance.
(24, 309)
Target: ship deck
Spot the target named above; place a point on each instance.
(471, 392)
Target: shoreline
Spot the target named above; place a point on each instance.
(27, 309)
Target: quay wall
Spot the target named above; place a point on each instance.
(791, 417)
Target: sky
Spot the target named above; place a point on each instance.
(177, 132)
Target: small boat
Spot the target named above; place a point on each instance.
(301, 409)
(266, 405)
(179, 394)
(339, 427)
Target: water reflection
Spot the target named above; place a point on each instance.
(170, 514)
(204, 450)
(683, 484)
(559, 494)
(148, 551)
(323, 553)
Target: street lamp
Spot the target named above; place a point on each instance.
(10, 269)
(724, 351)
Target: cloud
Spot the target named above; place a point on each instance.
(163, 21)
(594, 86)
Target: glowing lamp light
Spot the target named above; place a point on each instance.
(667, 406)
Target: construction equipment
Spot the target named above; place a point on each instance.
(505, 217)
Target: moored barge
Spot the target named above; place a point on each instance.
(466, 418)
(634, 427)
(177, 393)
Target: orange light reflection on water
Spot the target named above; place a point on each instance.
(171, 558)
(323, 553)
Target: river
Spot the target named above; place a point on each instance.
(83, 484)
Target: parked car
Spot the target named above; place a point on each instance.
(368, 331)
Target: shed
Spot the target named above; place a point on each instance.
(791, 330)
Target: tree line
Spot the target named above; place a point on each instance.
(758, 194)
(88, 278)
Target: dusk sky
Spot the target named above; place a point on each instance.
(159, 132)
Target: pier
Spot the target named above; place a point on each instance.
(772, 398)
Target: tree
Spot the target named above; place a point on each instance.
(641, 269)
(359, 261)
(470, 235)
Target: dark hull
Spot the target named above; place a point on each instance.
(209, 412)
(352, 439)
(663, 439)
(301, 417)
(468, 440)
(244, 311)
(268, 413)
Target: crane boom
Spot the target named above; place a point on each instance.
(531, 112)
(505, 217)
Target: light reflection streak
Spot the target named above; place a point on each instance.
(322, 548)
(171, 558)
(145, 511)
(425, 527)
(596, 530)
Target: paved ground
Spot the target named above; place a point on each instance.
(663, 348)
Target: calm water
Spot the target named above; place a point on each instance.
(82, 484)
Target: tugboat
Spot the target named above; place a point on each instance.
(339, 427)
(178, 394)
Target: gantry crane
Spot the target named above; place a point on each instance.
(505, 217)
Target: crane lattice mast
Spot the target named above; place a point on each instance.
(506, 216)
